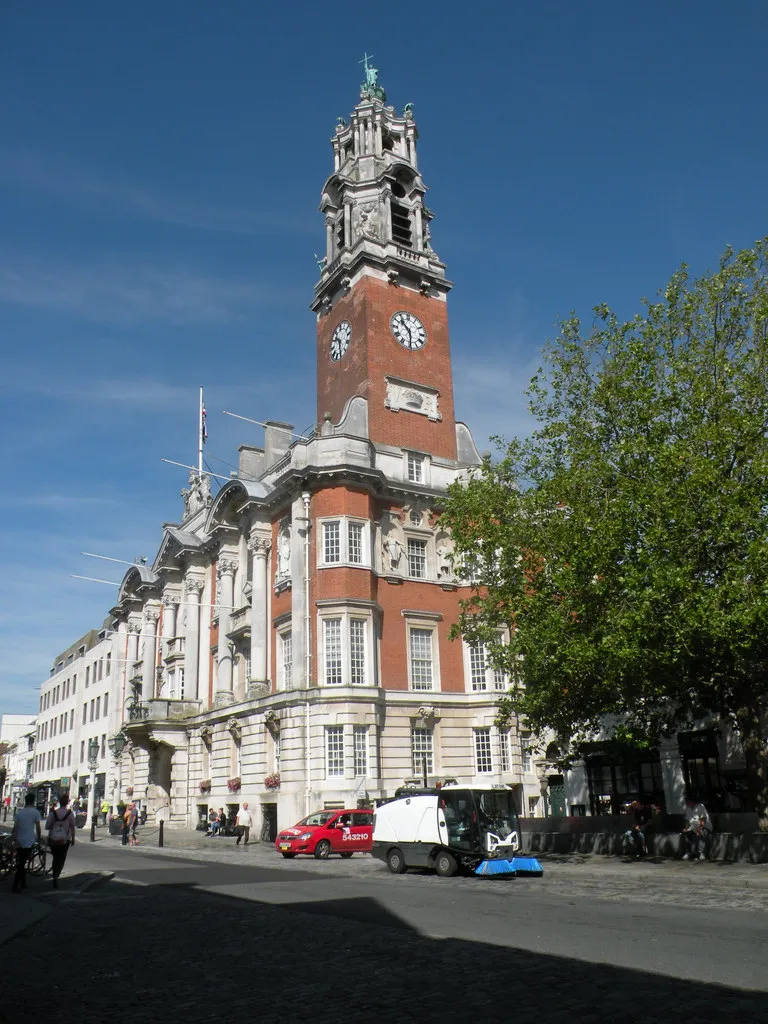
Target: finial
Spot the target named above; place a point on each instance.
(370, 89)
(408, 111)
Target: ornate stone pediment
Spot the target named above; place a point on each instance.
(411, 397)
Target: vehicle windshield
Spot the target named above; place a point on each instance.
(318, 818)
(497, 812)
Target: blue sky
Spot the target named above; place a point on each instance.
(160, 170)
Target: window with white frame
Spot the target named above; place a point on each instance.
(422, 754)
(347, 649)
(361, 750)
(285, 659)
(332, 652)
(345, 541)
(355, 543)
(421, 657)
(483, 757)
(334, 751)
(525, 743)
(481, 676)
(417, 558)
(504, 759)
(332, 542)
(415, 467)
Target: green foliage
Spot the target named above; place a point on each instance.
(624, 544)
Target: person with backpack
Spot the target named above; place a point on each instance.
(60, 825)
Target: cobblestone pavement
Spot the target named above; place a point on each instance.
(668, 882)
(174, 953)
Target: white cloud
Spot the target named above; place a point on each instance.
(135, 292)
(119, 199)
(490, 397)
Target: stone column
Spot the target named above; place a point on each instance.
(379, 144)
(225, 573)
(193, 588)
(151, 615)
(347, 224)
(132, 656)
(170, 604)
(259, 547)
(418, 225)
(329, 239)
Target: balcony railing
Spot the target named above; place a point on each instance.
(138, 712)
(175, 648)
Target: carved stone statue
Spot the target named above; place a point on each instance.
(392, 542)
(408, 111)
(284, 552)
(197, 495)
(444, 558)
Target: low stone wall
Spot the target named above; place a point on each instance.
(605, 835)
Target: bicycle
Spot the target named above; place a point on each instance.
(7, 856)
(36, 865)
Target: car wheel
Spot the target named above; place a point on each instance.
(396, 861)
(346, 856)
(445, 865)
(323, 850)
(289, 856)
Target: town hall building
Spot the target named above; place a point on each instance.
(289, 645)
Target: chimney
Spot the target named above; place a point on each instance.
(277, 441)
(251, 462)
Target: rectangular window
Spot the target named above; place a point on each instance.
(331, 542)
(69, 755)
(483, 759)
(334, 751)
(499, 680)
(103, 745)
(355, 543)
(101, 668)
(98, 707)
(527, 755)
(421, 751)
(415, 468)
(503, 750)
(72, 719)
(106, 704)
(286, 659)
(421, 659)
(85, 713)
(332, 648)
(361, 751)
(82, 751)
(109, 663)
(477, 666)
(87, 675)
(93, 708)
(74, 684)
(357, 652)
(417, 559)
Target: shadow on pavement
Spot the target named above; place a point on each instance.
(174, 953)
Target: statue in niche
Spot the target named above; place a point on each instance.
(444, 552)
(284, 552)
(392, 545)
(197, 495)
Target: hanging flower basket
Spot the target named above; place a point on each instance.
(233, 785)
(204, 785)
(272, 781)
(129, 790)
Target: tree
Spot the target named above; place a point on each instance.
(622, 548)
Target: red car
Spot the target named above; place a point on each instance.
(327, 832)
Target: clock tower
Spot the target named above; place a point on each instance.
(381, 301)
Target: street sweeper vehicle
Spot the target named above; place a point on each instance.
(454, 827)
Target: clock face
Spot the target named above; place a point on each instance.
(408, 330)
(340, 339)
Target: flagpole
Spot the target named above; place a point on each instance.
(200, 437)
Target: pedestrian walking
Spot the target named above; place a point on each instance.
(243, 822)
(26, 829)
(60, 825)
(698, 829)
(133, 824)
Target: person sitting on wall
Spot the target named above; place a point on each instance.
(698, 829)
(213, 823)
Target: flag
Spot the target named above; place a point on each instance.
(205, 426)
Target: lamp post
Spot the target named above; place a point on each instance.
(93, 764)
(116, 747)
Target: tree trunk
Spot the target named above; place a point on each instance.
(756, 757)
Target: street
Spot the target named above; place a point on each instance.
(226, 931)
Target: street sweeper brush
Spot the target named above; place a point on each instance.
(496, 867)
(527, 866)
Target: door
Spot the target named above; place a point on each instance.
(458, 807)
(268, 823)
(362, 831)
(340, 834)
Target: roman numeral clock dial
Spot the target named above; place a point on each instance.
(340, 339)
(408, 330)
